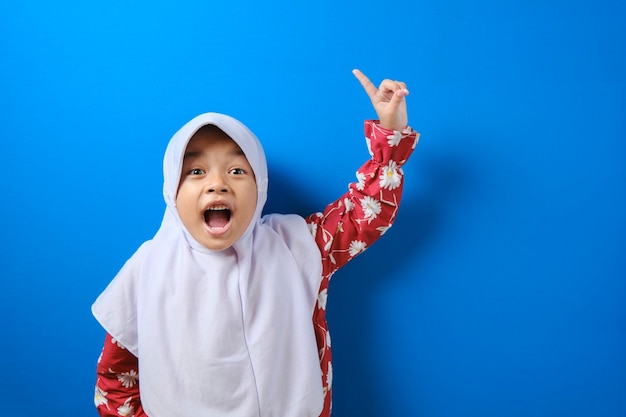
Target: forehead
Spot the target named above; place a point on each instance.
(210, 138)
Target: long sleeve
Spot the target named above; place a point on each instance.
(117, 386)
(352, 223)
(356, 220)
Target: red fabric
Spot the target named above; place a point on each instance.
(117, 386)
(345, 229)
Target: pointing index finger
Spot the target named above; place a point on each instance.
(370, 88)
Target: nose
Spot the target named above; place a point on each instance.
(216, 183)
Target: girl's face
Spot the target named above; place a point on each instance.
(217, 194)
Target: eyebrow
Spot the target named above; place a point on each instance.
(192, 154)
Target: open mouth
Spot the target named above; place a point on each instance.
(217, 216)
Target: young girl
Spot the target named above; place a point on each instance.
(223, 312)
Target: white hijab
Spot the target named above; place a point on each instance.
(221, 333)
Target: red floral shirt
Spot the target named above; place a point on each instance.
(346, 228)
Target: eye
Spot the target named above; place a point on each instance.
(196, 171)
(237, 171)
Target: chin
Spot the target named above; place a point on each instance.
(217, 246)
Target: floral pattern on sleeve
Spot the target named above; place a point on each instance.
(351, 224)
(117, 386)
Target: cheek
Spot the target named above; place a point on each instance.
(250, 202)
(182, 209)
(253, 197)
(184, 202)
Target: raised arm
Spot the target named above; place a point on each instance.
(356, 220)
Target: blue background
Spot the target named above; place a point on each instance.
(500, 291)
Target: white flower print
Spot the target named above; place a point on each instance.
(313, 226)
(349, 204)
(383, 229)
(361, 178)
(390, 177)
(115, 341)
(322, 297)
(126, 410)
(356, 247)
(371, 208)
(394, 139)
(128, 379)
(100, 397)
(328, 339)
(329, 376)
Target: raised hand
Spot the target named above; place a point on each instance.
(388, 101)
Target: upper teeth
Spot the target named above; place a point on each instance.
(220, 207)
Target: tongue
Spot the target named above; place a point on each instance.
(217, 218)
